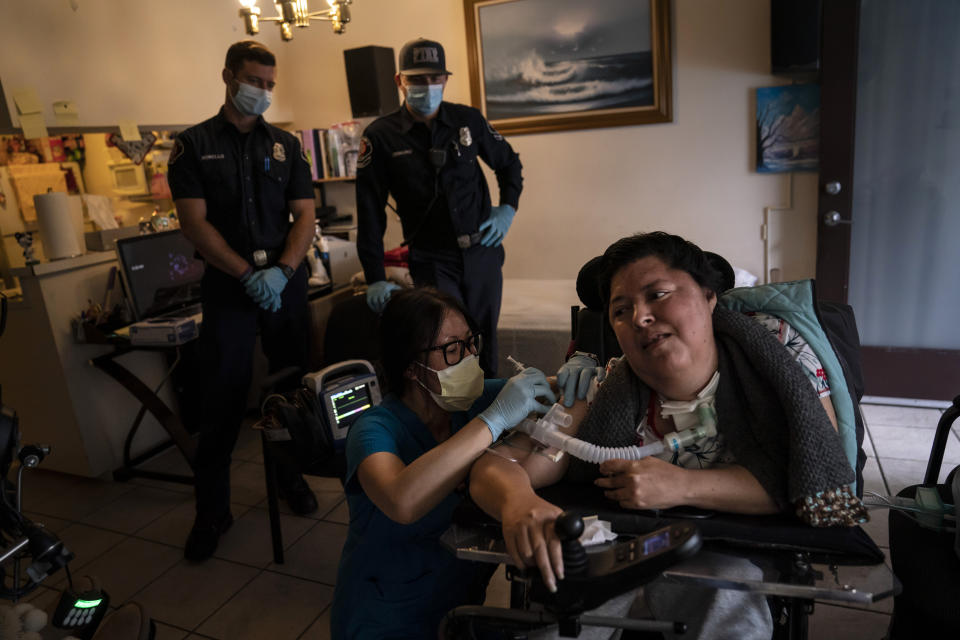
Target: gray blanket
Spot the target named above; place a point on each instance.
(768, 414)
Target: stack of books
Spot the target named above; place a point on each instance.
(332, 152)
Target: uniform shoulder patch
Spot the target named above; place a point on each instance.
(176, 152)
(496, 134)
(365, 154)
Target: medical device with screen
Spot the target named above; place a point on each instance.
(345, 390)
(350, 403)
(160, 272)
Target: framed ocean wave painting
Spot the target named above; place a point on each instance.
(550, 65)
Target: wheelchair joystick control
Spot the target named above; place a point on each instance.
(569, 528)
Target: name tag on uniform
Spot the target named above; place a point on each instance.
(212, 156)
(402, 152)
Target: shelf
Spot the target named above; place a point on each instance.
(321, 184)
(339, 228)
(329, 180)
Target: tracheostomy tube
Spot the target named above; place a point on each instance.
(546, 431)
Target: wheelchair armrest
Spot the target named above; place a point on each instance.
(780, 532)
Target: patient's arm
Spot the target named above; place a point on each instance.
(828, 407)
(652, 483)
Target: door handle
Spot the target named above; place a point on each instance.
(833, 218)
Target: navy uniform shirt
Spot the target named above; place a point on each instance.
(395, 159)
(247, 180)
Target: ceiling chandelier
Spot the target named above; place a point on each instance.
(295, 13)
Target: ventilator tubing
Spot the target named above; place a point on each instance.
(545, 432)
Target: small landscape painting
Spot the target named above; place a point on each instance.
(788, 128)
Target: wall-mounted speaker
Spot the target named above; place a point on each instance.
(370, 72)
(795, 36)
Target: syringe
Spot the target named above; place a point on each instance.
(518, 365)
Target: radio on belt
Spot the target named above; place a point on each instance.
(346, 390)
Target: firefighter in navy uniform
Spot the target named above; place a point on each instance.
(426, 156)
(235, 181)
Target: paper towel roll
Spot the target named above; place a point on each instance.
(60, 218)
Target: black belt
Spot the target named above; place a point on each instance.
(468, 240)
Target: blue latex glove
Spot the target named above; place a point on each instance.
(517, 399)
(265, 287)
(255, 288)
(497, 225)
(272, 304)
(378, 294)
(574, 377)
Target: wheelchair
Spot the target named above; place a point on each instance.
(30, 553)
(799, 564)
(594, 575)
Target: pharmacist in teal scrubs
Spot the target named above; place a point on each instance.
(407, 460)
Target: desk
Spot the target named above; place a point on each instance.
(46, 375)
(61, 399)
(152, 403)
(320, 299)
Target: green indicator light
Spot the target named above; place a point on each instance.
(87, 604)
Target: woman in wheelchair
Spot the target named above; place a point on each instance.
(406, 460)
(687, 361)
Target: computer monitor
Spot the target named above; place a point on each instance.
(160, 273)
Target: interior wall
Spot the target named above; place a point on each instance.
(152, 62)
(583, 189)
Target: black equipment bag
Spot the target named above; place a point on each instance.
(926, 560)
(310, 445)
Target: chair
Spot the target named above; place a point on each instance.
(838, 565)
(592, 333)
(351, 333)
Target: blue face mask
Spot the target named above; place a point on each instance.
(424, 99)
(251, 101)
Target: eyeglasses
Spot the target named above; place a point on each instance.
(454, 351)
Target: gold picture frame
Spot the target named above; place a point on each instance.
(555, 65)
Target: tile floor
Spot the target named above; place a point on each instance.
(130, 536)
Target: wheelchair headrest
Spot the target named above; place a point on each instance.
(721, 266)
(588, 280)
(588, 284)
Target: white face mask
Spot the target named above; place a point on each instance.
(251, 101)
(460, 385)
